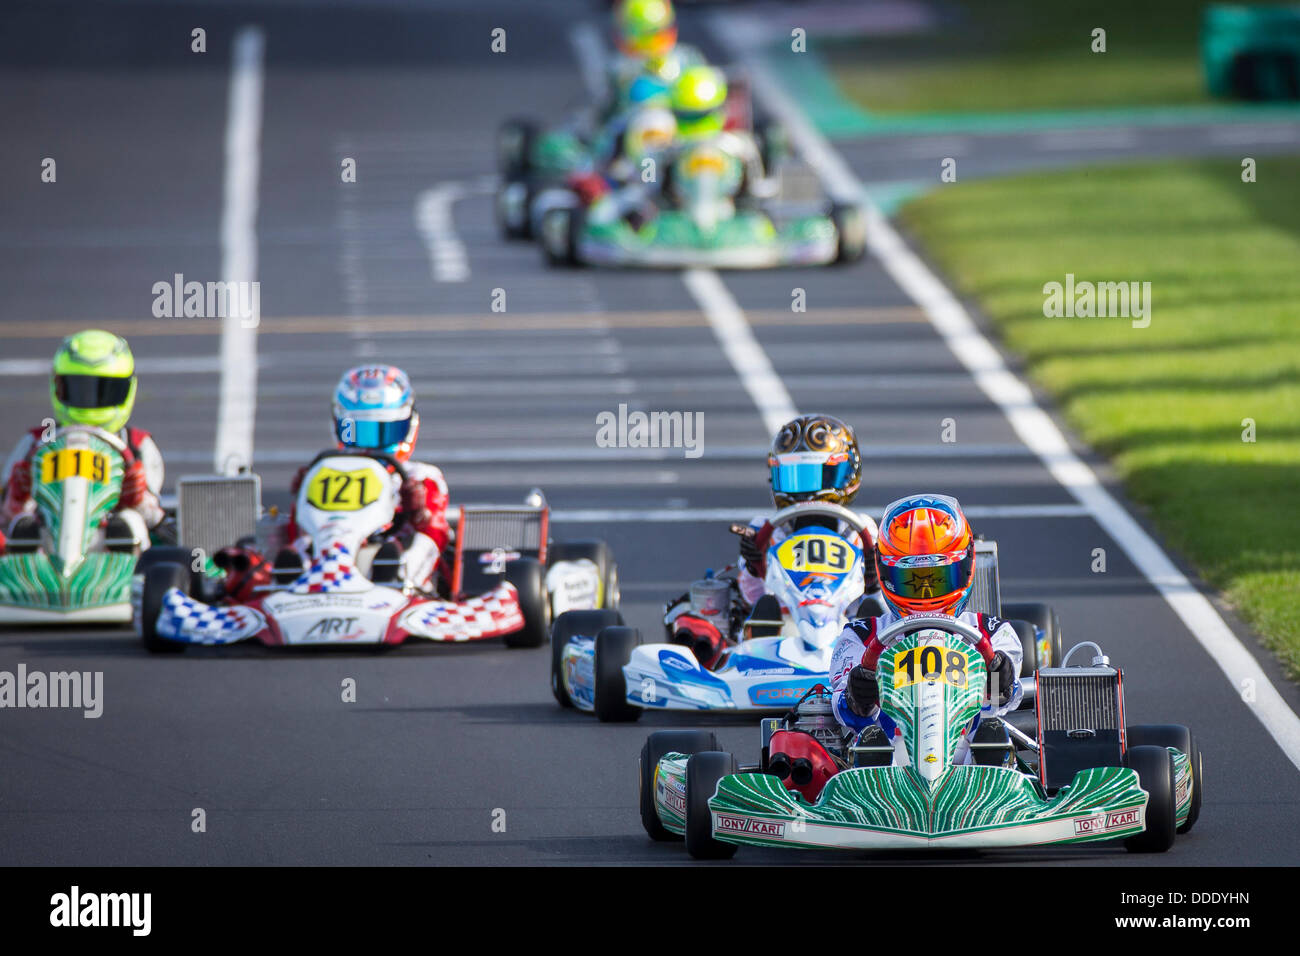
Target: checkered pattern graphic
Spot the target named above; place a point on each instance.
(331, 572)
(488, 615)
(184, 619)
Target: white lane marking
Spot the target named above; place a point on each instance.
(741, 348)
(237, 405)
(589, 48)
(433, 217)
(615, 456)
(1250, 135)
(677, 515)
(1122, 138)
(1034, 426)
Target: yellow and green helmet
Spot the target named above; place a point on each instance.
(699, 99)
(93, 382)
(645, 28)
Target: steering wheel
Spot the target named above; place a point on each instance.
(922, 622)
(823, 509)
(381, 456)
(107, 438)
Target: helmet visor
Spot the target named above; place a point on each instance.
(91, 391)
(363, 434)
(924, 577)
(809, 477)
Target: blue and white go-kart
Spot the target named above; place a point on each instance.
(815, 573)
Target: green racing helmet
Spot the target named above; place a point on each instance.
(645, 28)
(699, 99)
(93, 381)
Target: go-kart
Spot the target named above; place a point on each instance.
(815, 575)
(504, 579)
(937, 783)
(700, 218)
(71, 561)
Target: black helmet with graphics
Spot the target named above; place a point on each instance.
(815, 458)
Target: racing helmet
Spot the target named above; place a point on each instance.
(699, 99)
(374, 409)
(93, 380)
(925, 555)
(649, 132)
(645, 29)
(815, 458)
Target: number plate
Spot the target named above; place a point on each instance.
(930, 663)
(332, 490)
(815, 554)
(73, 463)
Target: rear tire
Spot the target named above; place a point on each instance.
(515, 139)
(851, 232)
(1042, 616)
(613, 649)
(1155, 770)
(529, 580)
(656, 746)
(703, 771)
(158, 580)
(559, 233)
(1180, 738)
(568, 625)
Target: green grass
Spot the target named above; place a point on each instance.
(1008, 55)
(1166, 403)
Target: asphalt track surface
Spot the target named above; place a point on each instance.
(443, 738)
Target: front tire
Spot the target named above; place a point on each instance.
(613, 649)
(529, 580)
(703, 771)
(568, 625)
(656, 746)
(851, 232)
(158, 580)
(1180, 738)
(1155, 770)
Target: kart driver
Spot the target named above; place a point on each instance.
(374, 411)
(645, 33)
(92, 383)
(813, 458)
(925, 557)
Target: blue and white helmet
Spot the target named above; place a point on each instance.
(374, 409)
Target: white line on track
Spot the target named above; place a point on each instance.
(677, 515)
(433, 218)
(741, 348)
(589, 47)
(238, 400)
(1034, 426)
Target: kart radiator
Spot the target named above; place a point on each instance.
(488, 536)
(217, 510)
(1080, 721)
(986, 597)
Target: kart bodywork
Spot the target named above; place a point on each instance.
(69, 570)
(1088, 783)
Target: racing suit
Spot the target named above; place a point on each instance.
(851, 645)
(141, 482)
(750, 579)
(419, 522)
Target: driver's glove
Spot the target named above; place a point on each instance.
(1004, 673)
(134, 486)
(19, 490)
(753, 548)
(863, 692)
(415, 505)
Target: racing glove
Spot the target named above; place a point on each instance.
(862, 693)
(415, 506)
(1001, 670)
(753, 548)
(134, 486)
(19, 490)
